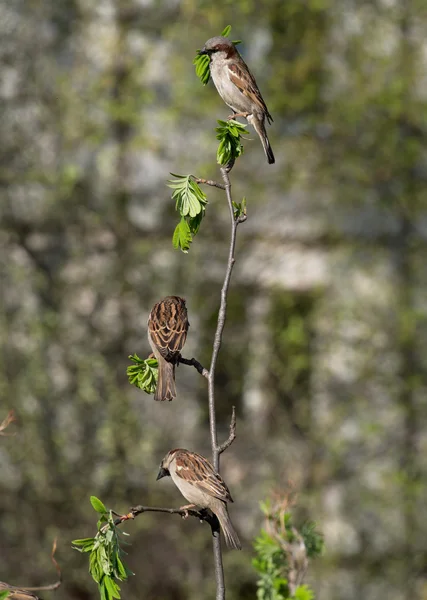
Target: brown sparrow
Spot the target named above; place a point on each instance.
(17, 593)
(201, 485)
(167, 331)
(237, 87)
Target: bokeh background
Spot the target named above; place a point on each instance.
(324, 351)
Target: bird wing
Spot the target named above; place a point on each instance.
(245, 82)
(168, 326)
(195, 469)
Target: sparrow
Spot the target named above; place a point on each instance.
(201, 485)
(167, 331)
(237, 87)
(17, 593)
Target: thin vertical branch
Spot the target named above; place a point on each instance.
(216, 450)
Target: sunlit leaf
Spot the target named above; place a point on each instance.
(98, 505)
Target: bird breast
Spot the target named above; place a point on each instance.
(190, 492)
(231, 95)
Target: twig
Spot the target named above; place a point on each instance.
(202, 515)
(221, 186)
(232, 434)
(10, 418)
(221, 319)
(50, 586)
(194, 363)
(217, 450)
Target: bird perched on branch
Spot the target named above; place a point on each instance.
(167, 331)
(201, 485)
(237, 87)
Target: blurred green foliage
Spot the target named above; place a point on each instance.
(282, 553)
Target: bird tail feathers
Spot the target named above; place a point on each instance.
(231, 537)
(260, 129)
(166, 388)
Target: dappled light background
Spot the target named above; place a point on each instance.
(324, 351)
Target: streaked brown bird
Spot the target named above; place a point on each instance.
(201, 485)
(167, 331)
(237, 87)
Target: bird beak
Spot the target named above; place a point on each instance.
(202, 52)
(162, 473)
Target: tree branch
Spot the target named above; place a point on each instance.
(192, 362)
(217, 450)
(202, 515)
(221, 186)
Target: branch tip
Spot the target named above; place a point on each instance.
(232, 434)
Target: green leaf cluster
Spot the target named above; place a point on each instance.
(143, 373)
(228, 133)
(201, 62)
(4, 594)
(105, 553)
(272, 558)
(270, 563)
(190, 202)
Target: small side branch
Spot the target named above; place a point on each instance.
(209, 182)
(202, 515)
(192, 362)
(232, 435)
(50, 586)
(10, 418)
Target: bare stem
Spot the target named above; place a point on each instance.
(221, 186)
(202, 515)
(221, 320)
(192, 362)
(217, 450)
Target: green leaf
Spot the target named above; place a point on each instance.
(94, 566)
(201, 62)
(112, 587)
(103, 592)
(98, 505)
(182, 236)
(83, 541)
(195, 222)
(83, 545)
(4, 594)
(121, 569)
(190, 198)
(226, 31)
